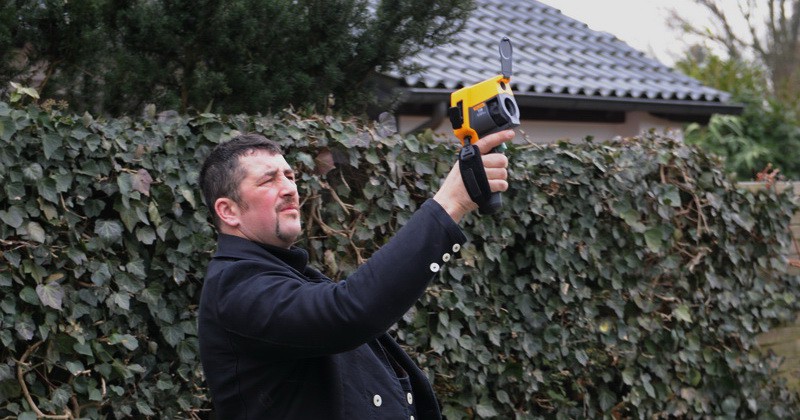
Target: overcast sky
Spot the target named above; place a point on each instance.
(640, 23)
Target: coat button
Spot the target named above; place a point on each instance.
(446, 257)
(410, 398)
(456, 247)
(377, 400)
(434, 267)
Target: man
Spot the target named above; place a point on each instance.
(279, 340)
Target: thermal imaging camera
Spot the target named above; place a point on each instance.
(479, 110)
(486, 107)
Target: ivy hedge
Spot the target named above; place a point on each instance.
(623, 279)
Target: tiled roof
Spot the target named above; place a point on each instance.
(553, 54)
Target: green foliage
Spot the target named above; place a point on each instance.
(53, 42)
(621, 279)
(767, 132)
(113, 57)
(102, 265)
(742, 79)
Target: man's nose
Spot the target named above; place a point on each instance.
(288, 187)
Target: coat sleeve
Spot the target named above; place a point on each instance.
(293, 316)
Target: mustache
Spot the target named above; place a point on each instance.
(286, 204)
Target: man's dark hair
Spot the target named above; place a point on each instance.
(221, 173)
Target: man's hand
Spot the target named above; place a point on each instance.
(453, 196)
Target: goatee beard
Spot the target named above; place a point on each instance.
(289, 239)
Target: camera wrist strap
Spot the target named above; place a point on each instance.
(473, 175)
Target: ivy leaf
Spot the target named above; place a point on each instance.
(124, 183)
(305, 159)
(671, 196)
(731, 405)
(412, 145)
(13, 217)
(109, 231)
(324, 162)
(24, 90)
(48, 189)
(83, 348)
(95, 394)
(61, 395)
(141, 180)
(128, 341)
(146, 235)
(188, 194)
(50, 294)
(122, 300)
(75, 367)
(648, 387)
(50, 144)
(136, 268)
(28, 295)
(632, 218)
(173, 334)
(653, 239)
(25, 327)
(607, 399)
(63, 181)
(744, 220)
(36, 232)
(401, 198)
(628, 376)
(6, 372)
(486, 410)
(100, 274)
(33, 172)
(683, 313)
(582, 357)
(144, 408)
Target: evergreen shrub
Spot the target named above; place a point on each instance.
(621, 279)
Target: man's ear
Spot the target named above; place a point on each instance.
(227, 211)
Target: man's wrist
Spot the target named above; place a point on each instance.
(455, 210)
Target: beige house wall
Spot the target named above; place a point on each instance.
(551, 131)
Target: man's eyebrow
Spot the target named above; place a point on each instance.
(269, 173)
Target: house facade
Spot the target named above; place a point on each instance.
(569, 81)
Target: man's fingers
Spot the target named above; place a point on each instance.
(498, 185)
(495, 160)
(452, 194)
(496, 173)
(489, 142)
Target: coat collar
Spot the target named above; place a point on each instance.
(230, 246)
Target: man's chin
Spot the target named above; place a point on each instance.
(289, 235)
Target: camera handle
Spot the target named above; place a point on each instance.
(475, 180)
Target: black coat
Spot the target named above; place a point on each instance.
(279, 340)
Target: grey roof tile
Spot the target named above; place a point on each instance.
(553, 53)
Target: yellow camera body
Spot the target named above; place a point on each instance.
(486, 107)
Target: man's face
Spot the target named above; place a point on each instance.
(269, 212)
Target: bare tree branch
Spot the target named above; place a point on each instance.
(21, 363)
(773, 27)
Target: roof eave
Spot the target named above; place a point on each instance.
(602, 103)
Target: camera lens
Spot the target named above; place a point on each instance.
(511, 107)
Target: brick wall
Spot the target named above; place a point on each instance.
(785, 341)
